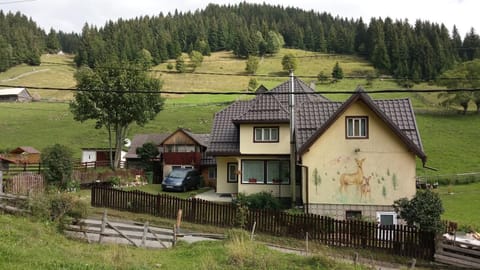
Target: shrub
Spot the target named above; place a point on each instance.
(57, 163)
(261, 200)
(59, 207)
(424, 210)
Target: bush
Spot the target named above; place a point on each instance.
(57, 163)
(261, 200)
(424, 210)
(59, 207)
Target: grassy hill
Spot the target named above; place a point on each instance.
(448, 138)
(35, 245)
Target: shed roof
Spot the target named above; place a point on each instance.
(11, 91)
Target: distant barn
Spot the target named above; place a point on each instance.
(15, 95)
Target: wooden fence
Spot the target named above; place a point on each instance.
(24, 183)
(397, 239)
(86, 177)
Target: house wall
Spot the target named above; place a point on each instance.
(248, 146)
(223, 186)
(336, 180)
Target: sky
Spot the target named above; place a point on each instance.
(71, 15)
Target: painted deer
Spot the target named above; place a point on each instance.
(355, 178)
(365, 187)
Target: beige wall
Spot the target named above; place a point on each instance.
(387, 165)
(247, 146)
(222, 185)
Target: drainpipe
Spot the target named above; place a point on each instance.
(306, 187)
(293, 157)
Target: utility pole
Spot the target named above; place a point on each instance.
(293, 150)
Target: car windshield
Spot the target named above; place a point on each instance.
(177, 174)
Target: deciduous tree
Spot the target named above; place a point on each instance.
(289, 62)
(115, 97)
(252, 64)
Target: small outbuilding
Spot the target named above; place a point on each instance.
(15, 95)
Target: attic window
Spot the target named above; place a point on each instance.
(357, 127)
(265, 134)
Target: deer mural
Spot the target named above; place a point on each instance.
(365, 187)
(355, 178)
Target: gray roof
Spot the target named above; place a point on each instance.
(139, 139)
(314, 114)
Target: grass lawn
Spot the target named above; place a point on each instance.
(462, 204)
(449, 142)
(34, 245)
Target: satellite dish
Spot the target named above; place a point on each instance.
(127, 142)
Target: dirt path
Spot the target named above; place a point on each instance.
(25, 74)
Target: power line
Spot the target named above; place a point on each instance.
(382, 77)
(237, 92)
(15, 1)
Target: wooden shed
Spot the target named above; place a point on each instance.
(15, 95)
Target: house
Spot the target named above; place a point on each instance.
(93, 157)
(352, 158)
(22, 155)
(179, 149)
(15, 95)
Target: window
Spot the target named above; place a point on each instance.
(265, 172)
(212, 172)
(278, 171)
(357, 127)
(232, 169)
(353, 215)
(384, 219)
(265, 134)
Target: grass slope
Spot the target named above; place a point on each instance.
(448, 139)
(461, 203)
(33, 245)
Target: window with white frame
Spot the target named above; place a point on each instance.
(357, 127)
(384, 220)
(265, 134)
(265, 172)
(232, 172)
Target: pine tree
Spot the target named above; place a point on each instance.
(471, 45)
(337, 72)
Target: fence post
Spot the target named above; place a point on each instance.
(1, 182)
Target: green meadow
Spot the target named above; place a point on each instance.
(448, 137)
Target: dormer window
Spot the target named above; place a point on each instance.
(265, 134)
(356, 127)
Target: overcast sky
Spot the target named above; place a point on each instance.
(71, 15)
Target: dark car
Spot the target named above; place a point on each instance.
(181, 180)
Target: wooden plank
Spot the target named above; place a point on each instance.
(446, 247)
(122, 234)
(454, 261)
(109, 234)
(158, 238)
(459, 256)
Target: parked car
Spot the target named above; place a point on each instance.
(181, 180)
